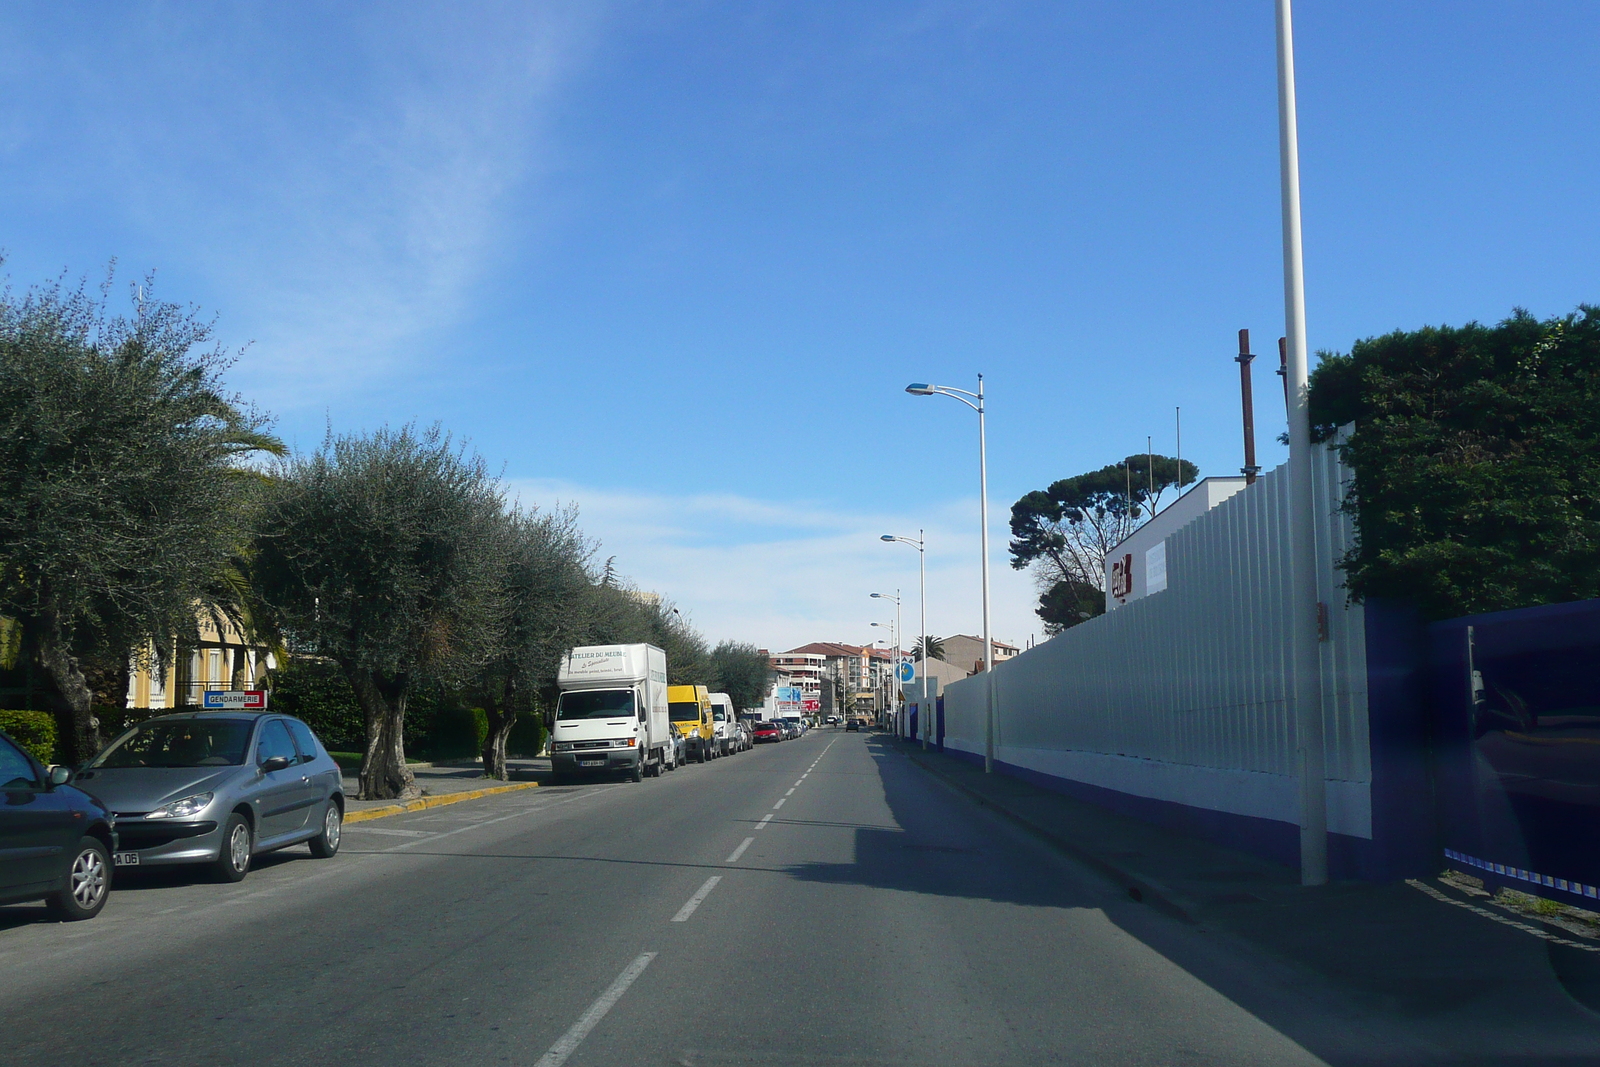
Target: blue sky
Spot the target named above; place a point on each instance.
(676, 261)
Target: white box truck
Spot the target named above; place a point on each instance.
(612, 712)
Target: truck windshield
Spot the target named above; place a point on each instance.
(596, 704)
(684, 709)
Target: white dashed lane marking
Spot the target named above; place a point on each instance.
(740, 850)
(694, 901)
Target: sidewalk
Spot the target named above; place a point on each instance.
(446, 783)
(1431, 949)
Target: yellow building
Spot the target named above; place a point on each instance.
(221, 660)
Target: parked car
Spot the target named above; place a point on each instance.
(768, 731)
(56, 841)
(217, 788)
(854, 724)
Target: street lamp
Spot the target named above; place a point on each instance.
(896, 599)
(918, 543)
(976, 404)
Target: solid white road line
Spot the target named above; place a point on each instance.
(359, 829)
(740, 850)
(694, 901)
(762, 825)
(779, 804)
(570, 1040)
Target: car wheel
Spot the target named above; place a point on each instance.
(237, 844)
(325, 844)
(86, 886)
(637, 774)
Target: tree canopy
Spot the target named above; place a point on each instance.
(385, 553)
(1476, 461)
(742, 671)
(122, 507)
(1066, 531)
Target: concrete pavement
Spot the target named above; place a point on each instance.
(822, 901)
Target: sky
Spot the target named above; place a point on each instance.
(675, 262)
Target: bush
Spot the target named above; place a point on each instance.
(1476, 455)
(317, 693)
(35, 731)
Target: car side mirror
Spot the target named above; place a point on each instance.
(60, 775)
(274, 763)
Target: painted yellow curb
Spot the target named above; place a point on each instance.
(422, 803)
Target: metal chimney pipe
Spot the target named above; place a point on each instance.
(1247, 398)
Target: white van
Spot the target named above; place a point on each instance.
(612, 712)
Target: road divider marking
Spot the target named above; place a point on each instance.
(695, 901)
(790, 793)
(762, 825)
(569, 1041)
(739, 851)
(779, 804)
(359, 829)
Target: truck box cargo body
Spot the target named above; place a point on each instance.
(690, 708)
(612, 712)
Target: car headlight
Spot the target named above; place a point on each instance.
(182, 809)
(627, 742)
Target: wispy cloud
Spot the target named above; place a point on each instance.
(340, 178)
(781, 573)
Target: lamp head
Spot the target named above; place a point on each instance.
(920, 389)
(886, 537)
(875, 595)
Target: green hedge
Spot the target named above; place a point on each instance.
(34, 731)
(438, 724)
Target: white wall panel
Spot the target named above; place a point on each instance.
(1193, 680)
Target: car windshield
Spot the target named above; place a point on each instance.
(180, 743)
(684, 709)
(597, 704)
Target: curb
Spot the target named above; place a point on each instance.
(1139, 889)
(422, 803)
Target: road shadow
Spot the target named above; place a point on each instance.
(1357, 973)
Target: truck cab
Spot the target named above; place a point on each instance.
(690, 709)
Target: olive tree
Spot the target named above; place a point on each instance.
(122, 504)
(545, 586)
(384, 553)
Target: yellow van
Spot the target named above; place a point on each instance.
(690, 709)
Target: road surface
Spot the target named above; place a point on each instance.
(820, 901)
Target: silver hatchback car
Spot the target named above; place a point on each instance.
(217, 788)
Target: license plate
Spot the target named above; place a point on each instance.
(591, 763)
(126, 859)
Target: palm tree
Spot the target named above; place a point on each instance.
(935, 648)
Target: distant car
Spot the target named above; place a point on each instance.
(854, 725)
(56, 841)
(217, 788)
(768, 731)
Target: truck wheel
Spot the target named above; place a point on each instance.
(637, 774)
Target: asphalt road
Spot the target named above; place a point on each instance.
(822, 901)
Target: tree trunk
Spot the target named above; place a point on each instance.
(77, 730)
(384, 774)
(501, 719)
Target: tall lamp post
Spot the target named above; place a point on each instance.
(894, 655)
(919, 543)
(976, 404)
(1304, 608)
(896, 599)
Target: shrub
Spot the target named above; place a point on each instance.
(1476, 455)
(35, 731)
